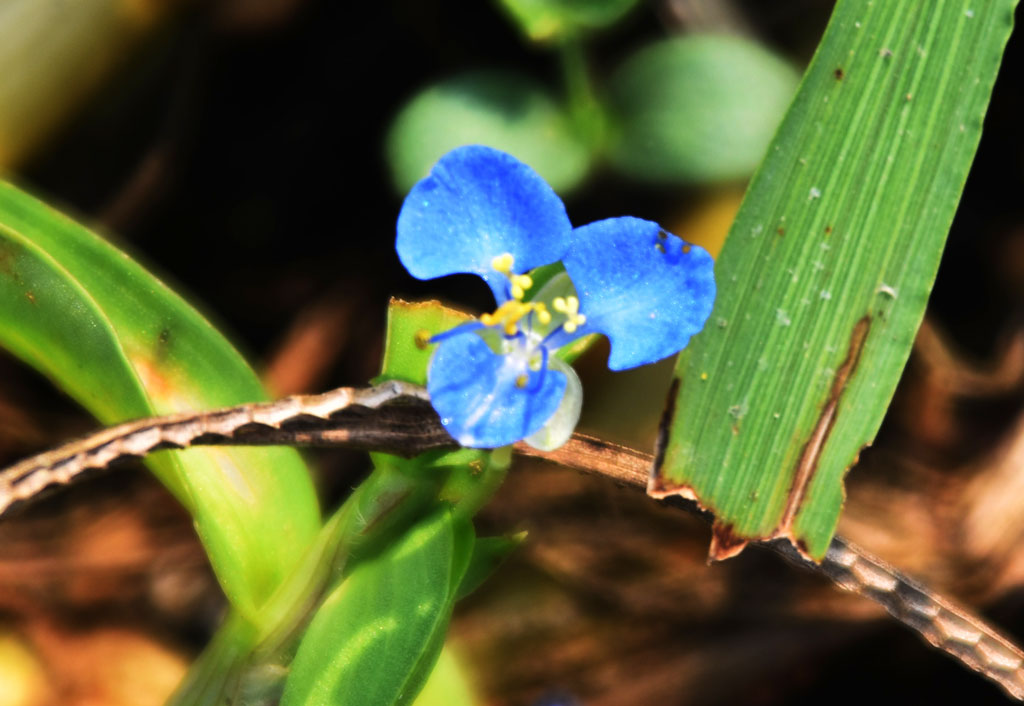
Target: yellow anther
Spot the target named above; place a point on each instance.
(570, 306)
(503, 263)
(567, 306)
(522, 380)
(422, 338)
(520, 283)
(543, 315)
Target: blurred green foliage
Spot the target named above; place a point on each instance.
(498, 108)
(692, 109)
(546, 20)
(697, 108)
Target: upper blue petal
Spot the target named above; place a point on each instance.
(643, 288)
(474, 391)
(478, 203)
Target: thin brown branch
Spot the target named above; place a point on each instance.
(940, 621)
(397, 418)
(394, 416)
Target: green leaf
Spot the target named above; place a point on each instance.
(545, 20)
(474, 474)
(245, 663)
(697, 108)
(825, 275)
(123, 345)
(406, 354)
(376, 637)
(488, 554)
(501, 109)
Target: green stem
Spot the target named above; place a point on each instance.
(585, 110)
(214, 676)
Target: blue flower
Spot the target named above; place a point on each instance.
(497, 380)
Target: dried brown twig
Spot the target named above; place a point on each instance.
(396, 417)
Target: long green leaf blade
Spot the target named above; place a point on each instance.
(824, 278)
(123, 345)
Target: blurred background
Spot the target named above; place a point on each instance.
(254, 154)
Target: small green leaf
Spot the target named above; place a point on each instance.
(243, 660)
(119, 342)
(488, 554)
(501, 109)
(545, 20)
(376, 637)
(824, 277)
(406, 353)
(697, 108)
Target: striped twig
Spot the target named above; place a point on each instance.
(396, 417)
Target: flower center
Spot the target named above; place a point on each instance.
(527, 332)
(509, 314)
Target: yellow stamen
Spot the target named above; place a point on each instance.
(503, 263)
(500, 314)
(520, 283)
(570, 306)
(543, 315)
(522, 380)
(509, 314)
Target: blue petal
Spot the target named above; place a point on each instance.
(474, 391)
(478, 203)
(643, 288)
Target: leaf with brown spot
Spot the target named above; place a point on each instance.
(775, 403)
(123, 345)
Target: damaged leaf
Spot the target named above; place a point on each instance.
(825, 275)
